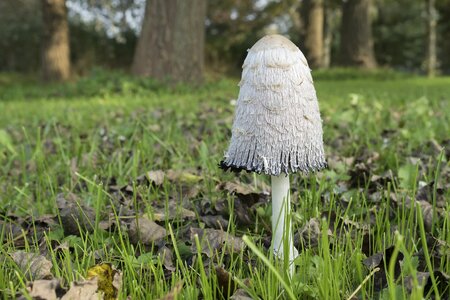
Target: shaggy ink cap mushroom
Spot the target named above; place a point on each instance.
(277, 126)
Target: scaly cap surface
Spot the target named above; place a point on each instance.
(277, 126)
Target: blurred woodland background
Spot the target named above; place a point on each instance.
(181, 40)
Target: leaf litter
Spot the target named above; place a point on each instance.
(102, 282)
(35, 266)
(77, 216)
(193, 213)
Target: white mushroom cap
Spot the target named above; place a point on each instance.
(277, 127)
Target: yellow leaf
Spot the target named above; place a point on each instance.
(105, 276)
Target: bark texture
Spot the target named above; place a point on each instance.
(171, 44)
(313, 18)
(55, 43)
(356, 34)
(431, 61)
(277, 127)
(329, 24)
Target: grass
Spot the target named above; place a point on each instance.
(107, 129)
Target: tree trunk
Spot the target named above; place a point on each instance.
(329, 25)
(356, 35)
(313, 18)
(171, 44)
(431, 61)
(55, 44)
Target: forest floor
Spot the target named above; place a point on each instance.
(111, 185)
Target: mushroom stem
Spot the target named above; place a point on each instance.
(281, 221)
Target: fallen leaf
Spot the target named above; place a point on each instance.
(244, 192)
(109, 224)
(75, 215)
(359, 174)
(246, 200)
(105, 276)
(172, 212)
(166, 257)
(215, 221)
(377, 182)
(86, 290)
(212, 240)
(45, 290)
(382, 260)
(309, 235)
(437, 250)
(339, 163)
(426, 191)
(427, 214)
(34, 266)
(93, 288)
(244, 214)
(12, 231)
(241, 294)
(174, 292)
(424, 280)
(442, 282)
(225, 282)
(145, 231)
(185, 177)
(117, 281)
(155, 178)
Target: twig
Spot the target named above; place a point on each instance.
(362, 283)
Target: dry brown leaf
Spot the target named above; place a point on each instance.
(166, 256)
(117, 281)
(75, 215)
(172, 211)
(244, 192)
(155, 177)
(225, 282)
(241, 294)
(246, 199)
(427, 214)
(215, 221)
(12, 231)
(424, 280)
(86, 290)
(172, 295)
(44, 289)
(310, 234)
(145, 231)
(212, 240)
(380, 260)
(90, 289)
(427, 191)
(34, 266)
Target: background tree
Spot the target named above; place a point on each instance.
(55, 42)
(20, 31)
(356, 34)
(398, 40)
(313, 17)
(431, 61)
(171, 44)
(443, 32)
(233, 26)
(329, 31)
(104, 33)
